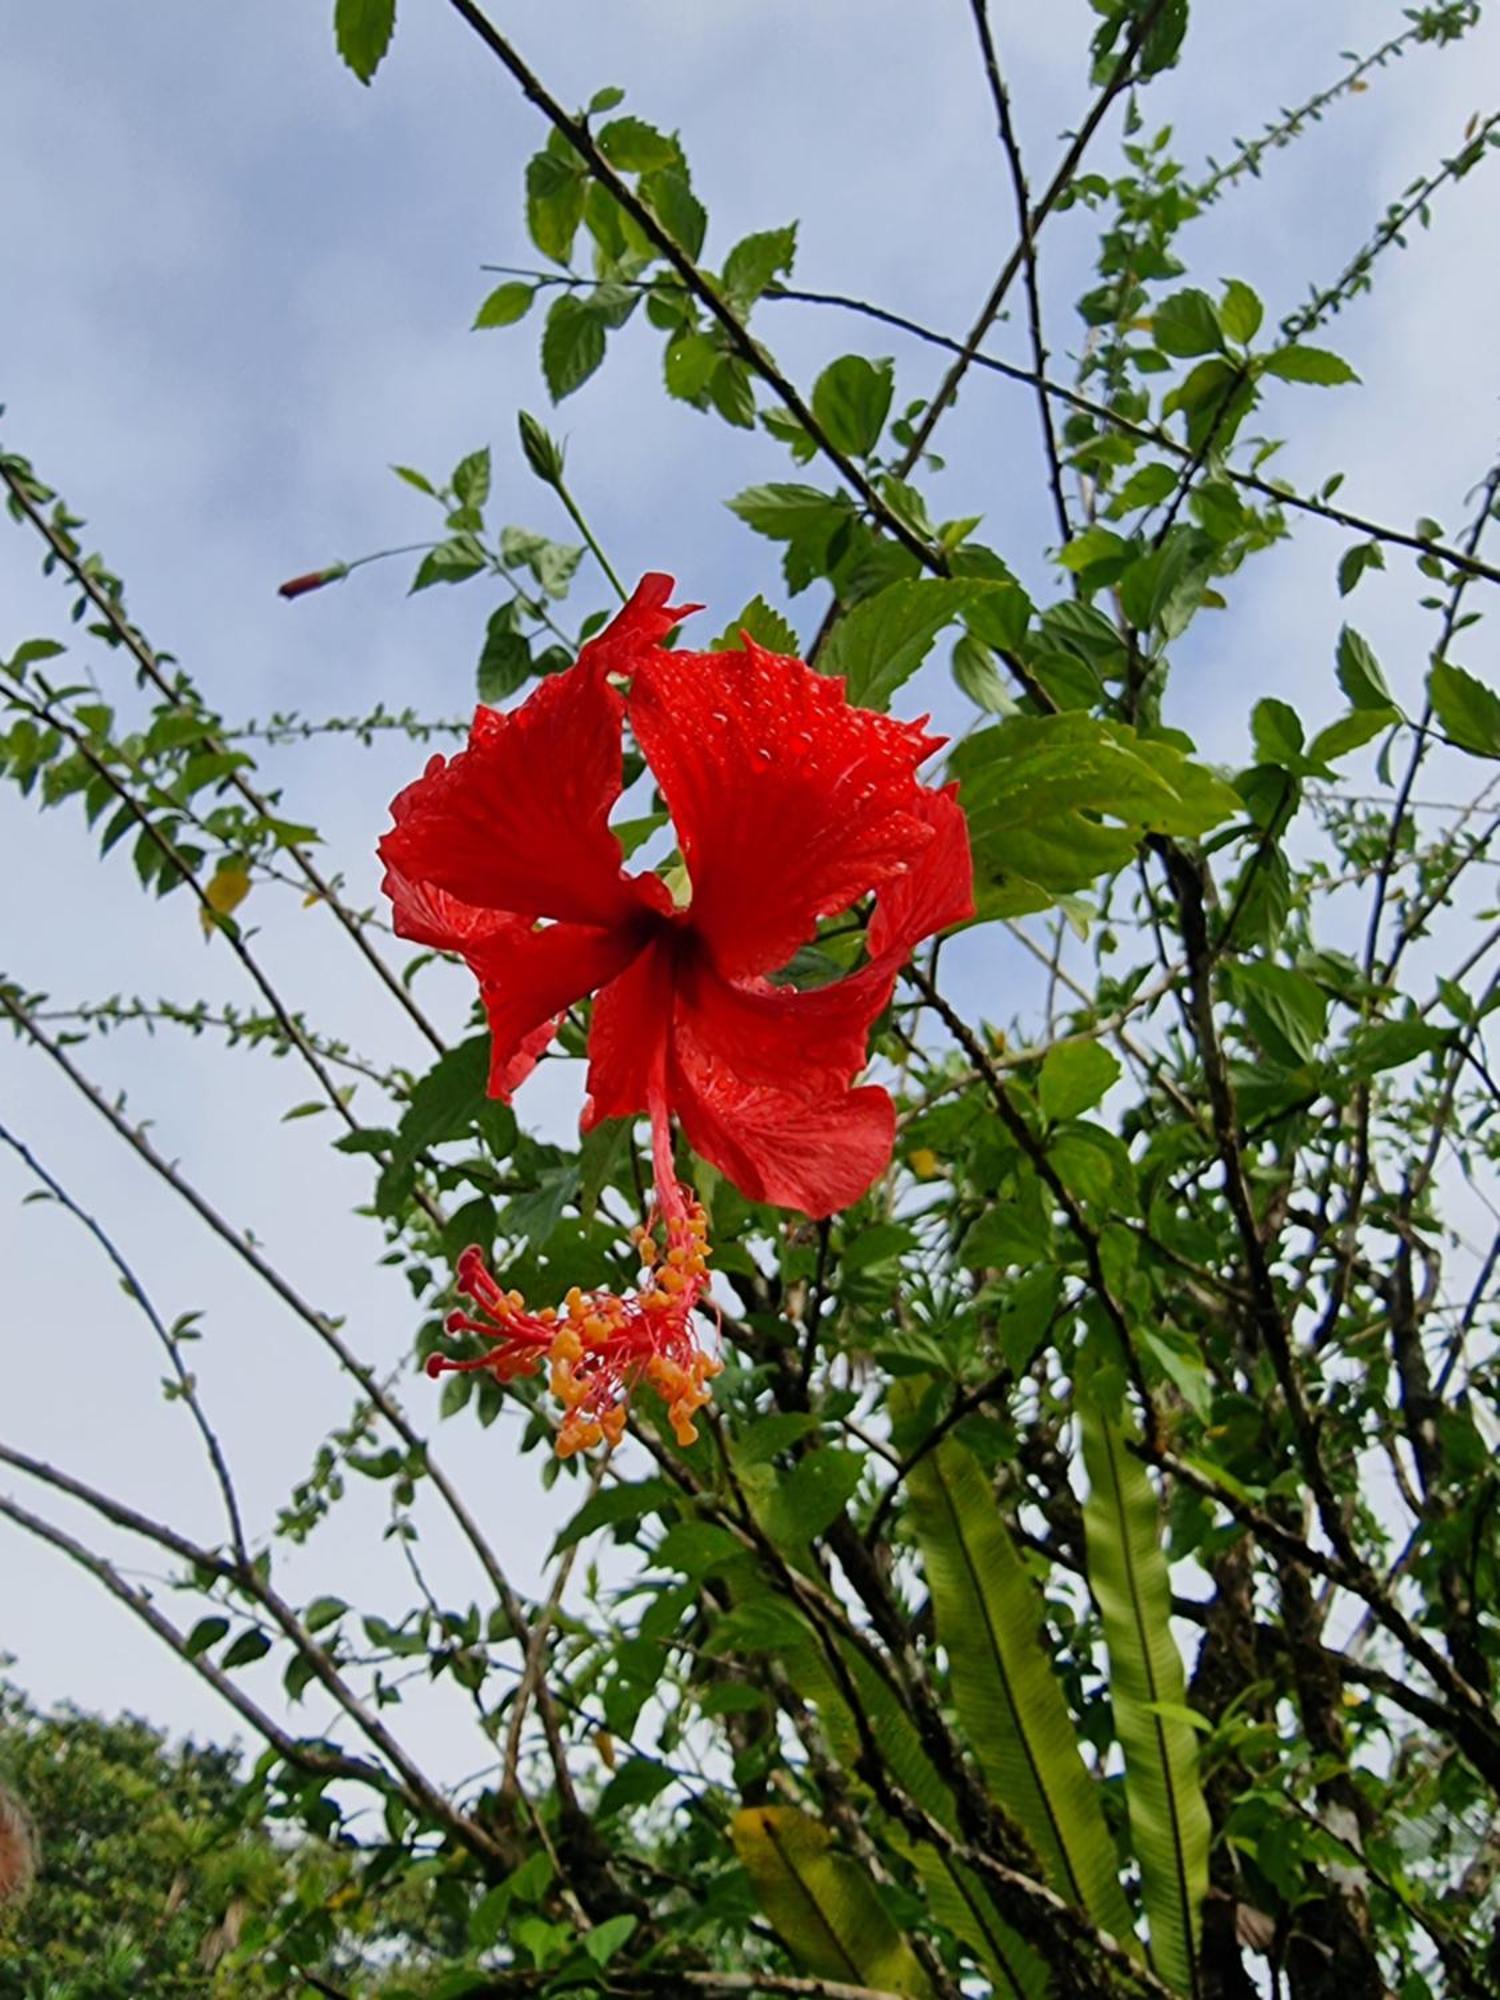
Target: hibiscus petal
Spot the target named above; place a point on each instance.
(519, 820)
(637, 629)
(529, 977)
(789, 803)
(936, 891)
(628, 1038)
(425, 914)
(803, 1044)
(817, 1154)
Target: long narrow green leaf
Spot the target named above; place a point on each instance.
(825, 1910)
(956, 1898)
(989, 1618)
(1169, 1825)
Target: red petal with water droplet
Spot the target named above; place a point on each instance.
(789, 804)
(518, 821)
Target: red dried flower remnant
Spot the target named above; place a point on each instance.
(790, 806)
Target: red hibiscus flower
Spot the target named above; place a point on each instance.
(790, 806)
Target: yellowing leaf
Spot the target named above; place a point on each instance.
(224, 893)
(825, 1909)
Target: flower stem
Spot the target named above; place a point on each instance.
(576, 516)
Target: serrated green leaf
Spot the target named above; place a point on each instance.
(1075, 1076)
(766, 627)
(1187, 324)
(572, 345)
(471, 478)
(505, 663)
(554, 204)
(636, 147)
(1241, 312)
(362, 30)
(1359, 673)
(505, 305)
(449, 562)
(755, 261)
(1467, 711)
(851, 400)
(1056, 801)
(679, 211)
(688, 365)
(884, 639)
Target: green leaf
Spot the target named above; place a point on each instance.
(604, 1940)
(957, 1900)
(688, 366)
(975, 671)
(1169, 1825)
(1276, 730)
(812, 1496)
(444, 1104)
(851, 400)
(1241, 313)
(1187, 324)
(1468, 712)
(804, 517)
(884, 639)
(505, 305)
(449, 562)
(572, 345)
(1359, 673)
(1354, 562)
(554, 204)
(323, 1611)
(1285, 1010)
(362, 30)
(1308, 364)
(471, 478)
(636, 147)
(755, 261)
(1041, 791)
(207, 1632)
(1384, 1045)
(676, 207)
(989, 1622)
(612, 1506)
(766, 627)
(505, 662)
(1350, 732)
(825, 1909)
(250, 1645)
(1075, 1075)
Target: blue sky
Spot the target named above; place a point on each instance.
(238, 287)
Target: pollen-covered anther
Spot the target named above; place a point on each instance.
(598, 1346)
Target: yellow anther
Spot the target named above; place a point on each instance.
(566, 1346)
(612, 1423)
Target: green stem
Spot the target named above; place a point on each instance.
(576, 517)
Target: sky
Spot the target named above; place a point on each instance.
(239, 286)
